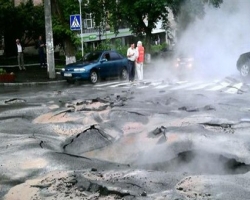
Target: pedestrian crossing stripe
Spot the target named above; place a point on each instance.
(234, 88)
(229, 88)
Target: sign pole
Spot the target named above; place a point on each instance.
(80, 1)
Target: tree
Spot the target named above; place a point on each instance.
(7, 19)
(132, 12)
(186, 11)
(106, 13)
(24, 21)
(61, 10)
(143, 15)
(137, 12)
(31, 25)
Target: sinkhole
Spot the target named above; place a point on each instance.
(201, 163)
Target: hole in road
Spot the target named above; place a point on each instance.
(200, 162)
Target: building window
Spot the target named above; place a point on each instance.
(89, 22)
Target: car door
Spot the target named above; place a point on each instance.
(117, 63)
(105, 65)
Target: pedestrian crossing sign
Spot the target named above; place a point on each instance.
(75, 22)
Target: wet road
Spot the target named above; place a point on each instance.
(160, 139)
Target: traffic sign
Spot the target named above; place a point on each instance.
(75, 22)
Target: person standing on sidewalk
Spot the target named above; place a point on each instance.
(20, 55)
(139, 60)
(131, 62)
(41, 53)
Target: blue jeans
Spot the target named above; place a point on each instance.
(131, 70)
(42, 59)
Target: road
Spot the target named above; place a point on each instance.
(160, 139)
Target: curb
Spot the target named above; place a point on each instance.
(32, 83)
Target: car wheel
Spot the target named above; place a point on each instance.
(245, 70)
(94, 78)
(124, 74)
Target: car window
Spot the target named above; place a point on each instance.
(92, 57)
(106, 56)
(115, 56)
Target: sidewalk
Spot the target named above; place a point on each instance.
(33, 74)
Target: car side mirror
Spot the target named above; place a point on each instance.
(104, 60)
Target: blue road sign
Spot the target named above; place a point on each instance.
(75, 22)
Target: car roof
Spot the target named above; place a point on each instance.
(102, 51)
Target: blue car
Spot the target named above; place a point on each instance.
(96, 66)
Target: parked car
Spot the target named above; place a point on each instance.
(243, 64)
(96, 66)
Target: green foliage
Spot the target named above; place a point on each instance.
(104, 45)
(135, 12)
(119, 47)
(164, 45)
(2, 71)
(27, 22)
(115, 44)
(155, 48)
(186, 11)
(30, 25)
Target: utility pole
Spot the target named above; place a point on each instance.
(80, 6)
(49, 39)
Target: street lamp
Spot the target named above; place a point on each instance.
(80, 2)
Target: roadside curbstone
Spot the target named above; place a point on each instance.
(33, 83)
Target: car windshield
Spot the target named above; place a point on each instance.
(92, 57)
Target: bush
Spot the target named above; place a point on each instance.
(2, 71)
(106, 45)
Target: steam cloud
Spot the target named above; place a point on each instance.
(217, 40)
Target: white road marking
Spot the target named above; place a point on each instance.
(219, 87)
(234, 88)
(141, 87)
(156, 83)
(181, 82)
(201, 86)
(162, 86)
(121, 84)
(106, 84)
(184, 86)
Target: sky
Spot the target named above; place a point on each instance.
(217, 40)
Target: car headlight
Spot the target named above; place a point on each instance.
(63, 69)
(79, 70)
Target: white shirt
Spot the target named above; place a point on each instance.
(19, 48)
(131, 51)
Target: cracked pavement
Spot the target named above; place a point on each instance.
(73, 142)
